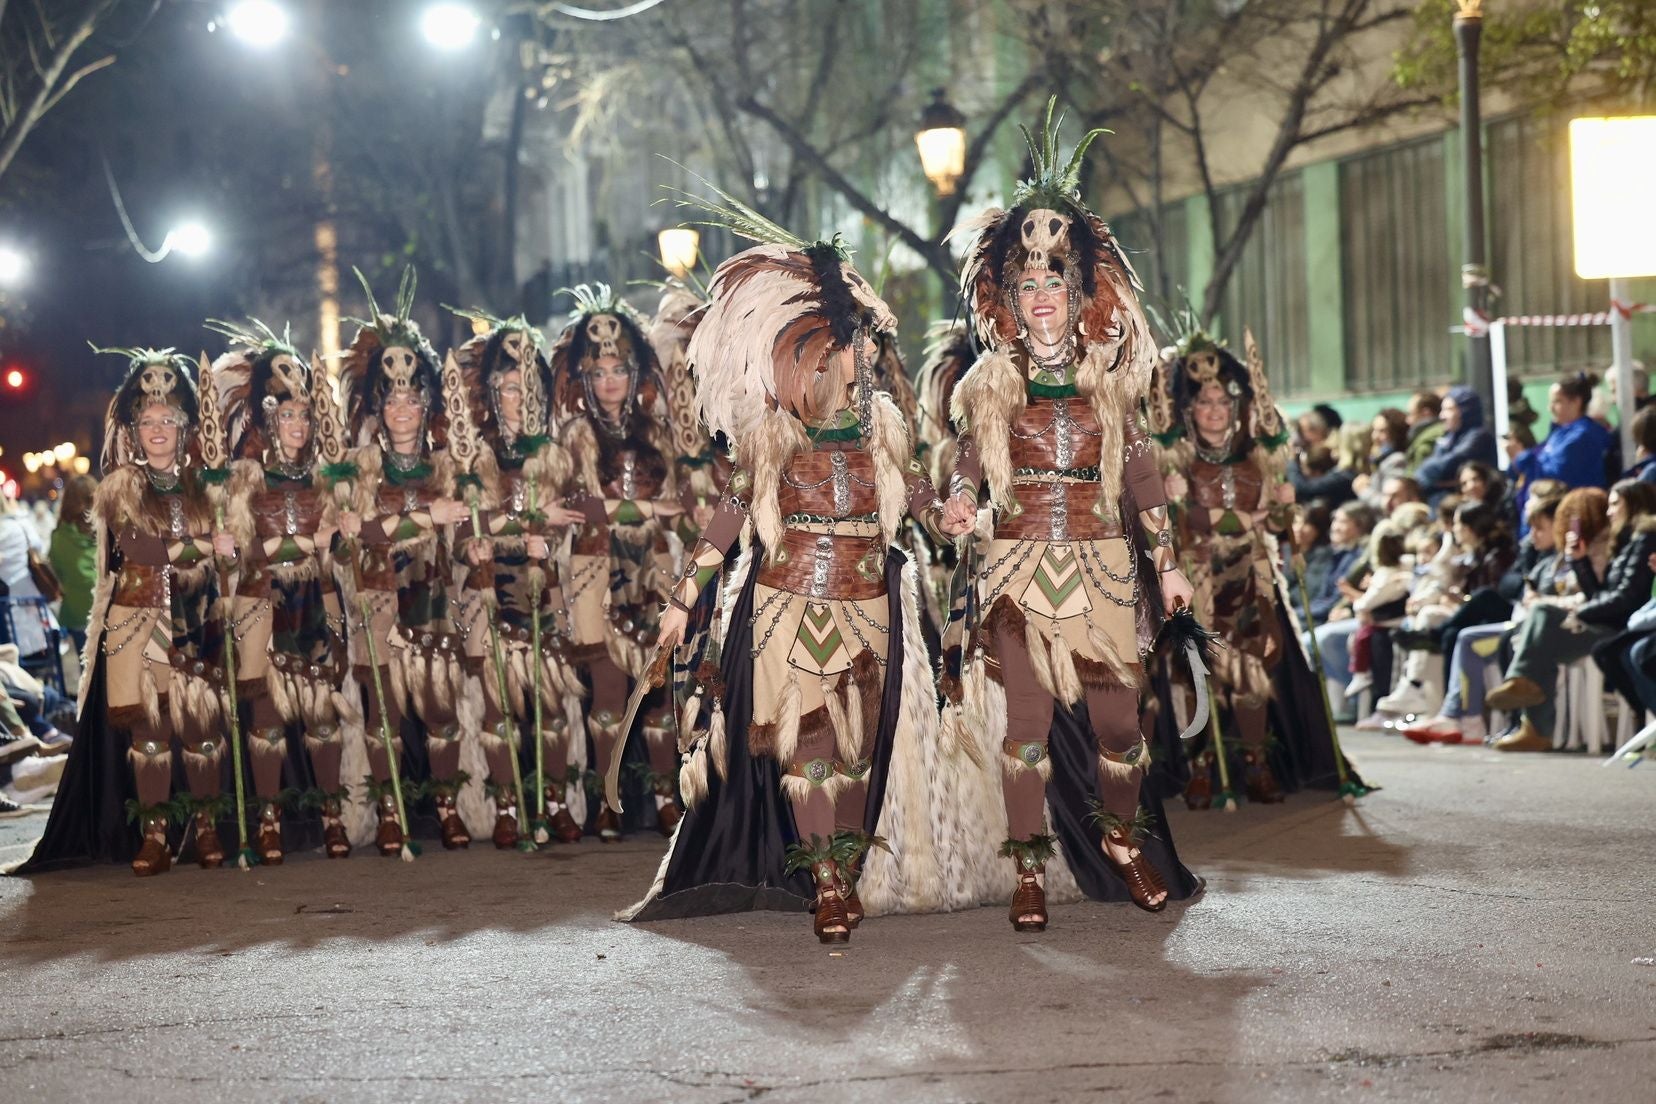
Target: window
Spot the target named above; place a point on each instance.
(1267, 290)
(1399, 269)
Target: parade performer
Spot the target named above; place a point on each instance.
(1224, 454)
(949, 354)
(154, 677)
(512, 612)
(1081, 567)
(401, 506)
(823, 705)
(288, 618)
(608, 390)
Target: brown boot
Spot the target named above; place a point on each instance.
(455, 836)
(1028, 911)
(336, 844)
(559, 822)
(609, 825)
(1143, 882)
(270, 834)
(1261, 784)
(1524, 738)
(830, 923)
(668, 815)
(506, 823)
(209, 851)
(153, 857)
(1198, 792)
(389, 836)
(1515, 693)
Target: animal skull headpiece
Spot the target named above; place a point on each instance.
(503, 345)
(389, 354)
(154, 377)
(1044, 234)
(603, 325)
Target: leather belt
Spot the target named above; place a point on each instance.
(821, 565)
(142, 586)
(1055, 511)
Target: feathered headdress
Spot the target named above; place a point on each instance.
(508, 344)
(1049, 227)
(154, 377)
(372, 368)
(259, 373)
(778, 311)
(1196, 360)
(603, 324)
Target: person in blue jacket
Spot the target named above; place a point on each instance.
(1574, 451)
(1465, 437)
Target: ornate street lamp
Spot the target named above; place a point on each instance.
(941, 140)
(680, 247)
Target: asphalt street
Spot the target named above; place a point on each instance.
(1480, 929)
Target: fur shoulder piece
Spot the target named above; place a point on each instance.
(990, 395)
(582, 443)
(765, 451)
(246, 479)
(370, 466)
(892, 450)
(119, 498)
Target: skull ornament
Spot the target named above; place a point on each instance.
(1202, 367)
(158, 381)
(398, 362)
(290, 377)
(1045, 235)
(604, 332)
(514, 346)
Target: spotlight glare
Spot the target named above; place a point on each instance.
(259, 23)
(14, 265)
(192, 239)
(450, 26)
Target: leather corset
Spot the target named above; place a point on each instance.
(821, 565)
(831, 483)
(1055, 511)
(1055, 435)
(636, 475)
(141, 586)
(1208, 486)
(287, 510)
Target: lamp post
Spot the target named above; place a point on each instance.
(941, 140)
(1611, 162)
(1475, 266)
(680, 246)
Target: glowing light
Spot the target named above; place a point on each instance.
(191, 238)
(450, 26)
(260, 23)
(14, 266)
(679, 246)
(14, 378)
(64, 452)
(941, 141)
(82, 465)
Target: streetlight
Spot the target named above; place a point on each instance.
(941, 140)
(450, 26)
(1611, 162)
(191, 239)
(15, 378)
(679, 246)
(1480, 373)
(14, 265)
(259, 23)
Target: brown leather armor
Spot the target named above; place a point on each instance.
(1207, 486)
(1055, 435)
(1050, 510)
(820, 565)
(826, 482)
(142, 586)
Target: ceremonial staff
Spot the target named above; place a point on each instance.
(537, 430)
(215, 463)
(463, 446)
(330, 448)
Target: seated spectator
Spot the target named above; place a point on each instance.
(1311, 542)
(1628, 659)
(1331, 607)
(1388, 434)
(1574, 450)
(1480, 482)
(1460, 583)
(1465, 437)
(1521, 416)
(1387, 587)
(1461, 718)
(1644, 443)
(1315, 476)
(1553, 636)
(1312, 430)
(1425, 427)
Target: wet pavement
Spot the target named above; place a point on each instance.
(1472, 932)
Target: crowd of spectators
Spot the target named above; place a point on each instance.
(1445, 590)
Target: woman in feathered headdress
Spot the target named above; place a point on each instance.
(401, 508)
(525, 472)
(289, 619)
(609, 393)
(1081, 568)
(1224, 452)
(153, 646)
(823, 706)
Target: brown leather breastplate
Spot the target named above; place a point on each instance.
(819, 565)
(1212, 485)
(1055, 435)
(405, 499)
(635, 478)
(289, 510)
(833, 483)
